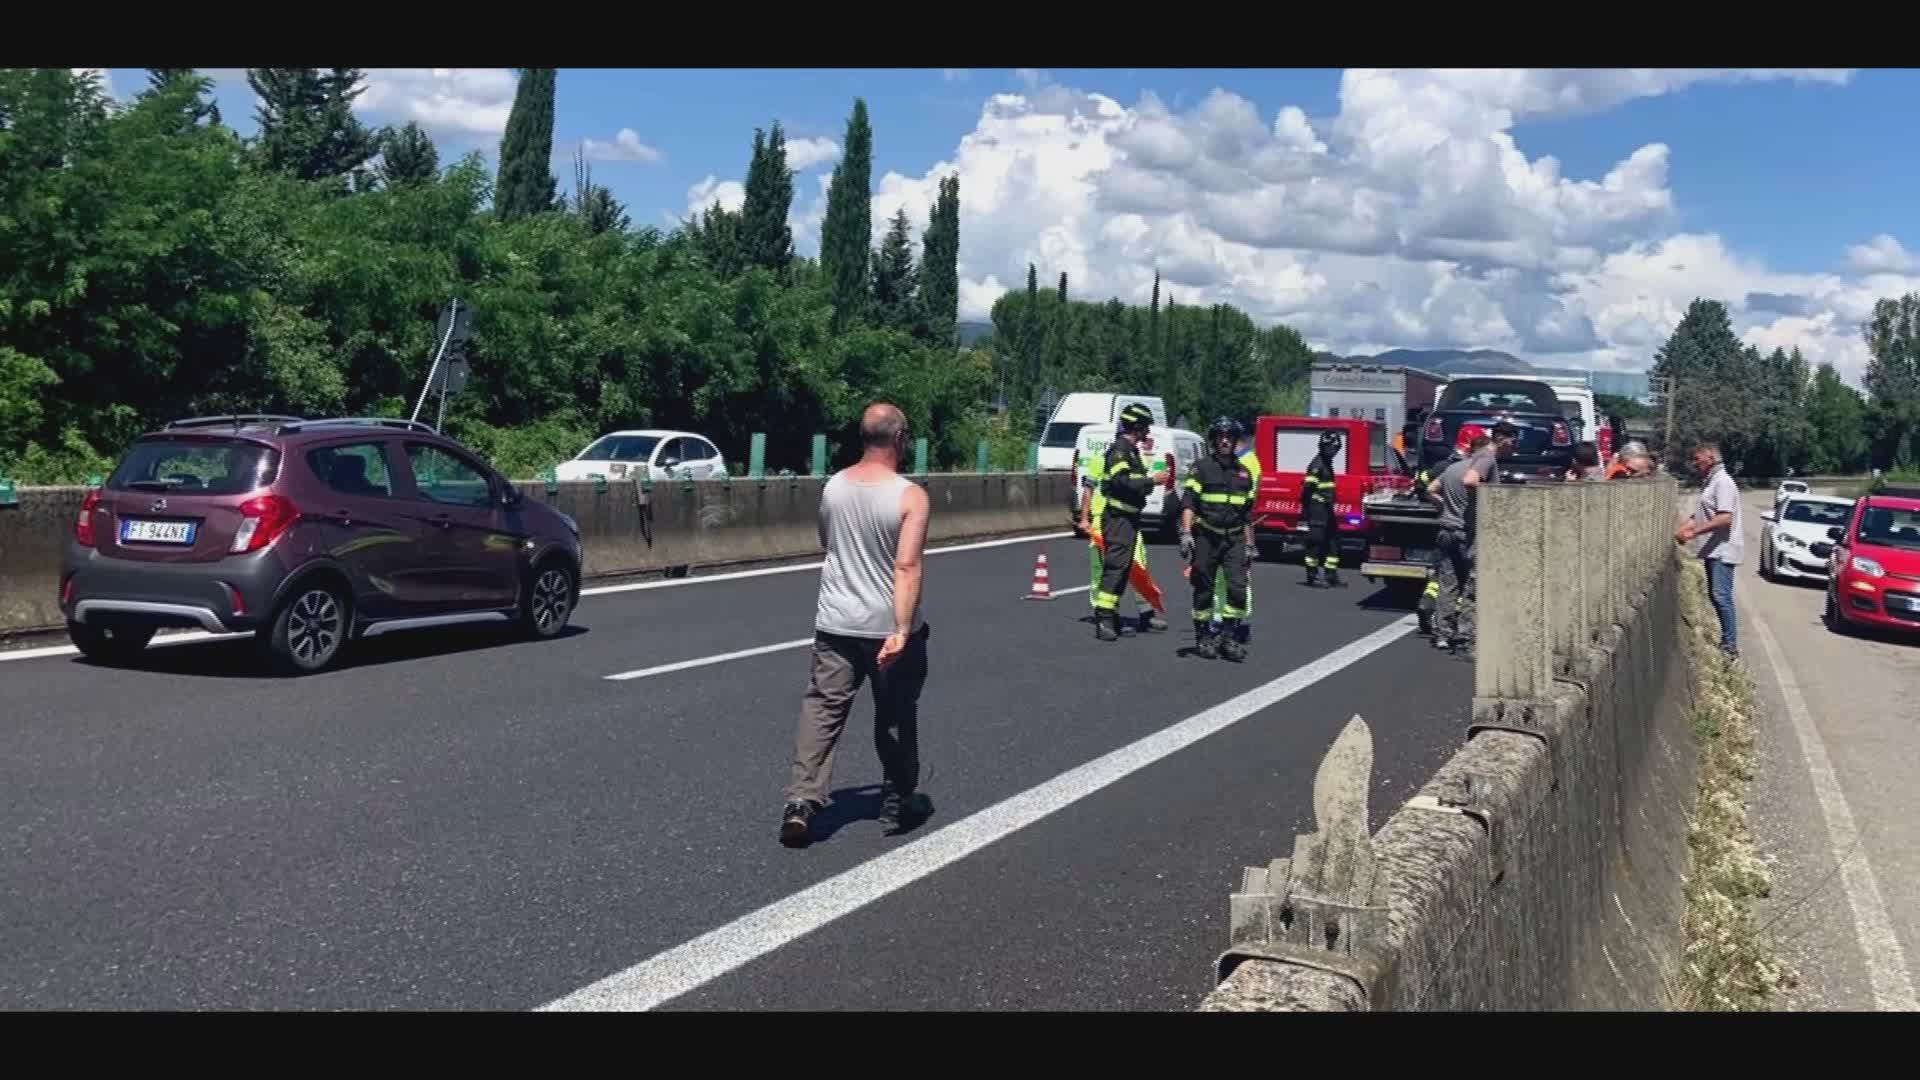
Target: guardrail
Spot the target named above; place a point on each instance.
(626, 528)
(1542, 866)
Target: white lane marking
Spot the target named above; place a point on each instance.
(185, 637)
(603, 590)
(1880, 950)
(683, 665)
(43, 651)
(695, 963)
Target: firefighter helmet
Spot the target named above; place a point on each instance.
(1224, 427)
(1329, 441)
(1136, 417)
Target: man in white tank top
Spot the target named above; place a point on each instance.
(867, 628)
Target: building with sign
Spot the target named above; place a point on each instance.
(1382, 394)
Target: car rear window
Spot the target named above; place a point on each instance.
(1492, 395)
(199, 466)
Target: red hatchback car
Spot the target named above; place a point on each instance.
(1875, 580)
(309, 533)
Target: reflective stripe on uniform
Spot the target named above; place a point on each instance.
(1105, 601)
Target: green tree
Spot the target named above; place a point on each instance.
(1892, 378)
(1706, 361)
(766, 240)
(1837, 415)
(940, 264)
(205, 110)
(307, 126)
(526, 185)
(716, 233)
(848, 228)
(896, 280)
(407, 156)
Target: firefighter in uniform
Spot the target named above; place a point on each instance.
(1125, 483)
(1092, 502)
(1323, 527)
(1218, 498)
(1244, 634)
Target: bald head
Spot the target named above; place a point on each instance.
(881, 425)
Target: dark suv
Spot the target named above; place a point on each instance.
(309, 533)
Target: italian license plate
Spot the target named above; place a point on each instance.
(1903, 603)
(136, 531)
(1414, 554)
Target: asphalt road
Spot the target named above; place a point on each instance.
(1836, 792)
(454, 820)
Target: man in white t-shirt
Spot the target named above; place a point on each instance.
(1717, 518)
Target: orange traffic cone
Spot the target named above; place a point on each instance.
(1041, 590)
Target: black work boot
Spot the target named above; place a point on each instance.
(1230, 647)
(1333, 578)
(1151, 620)
(1313, 575)
(1204, 645)
(902, 812)
(795, 823)
(1106, 626)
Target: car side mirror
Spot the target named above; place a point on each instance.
(670, 463)
(1821, 551)
(511, 497)
(1836, 533)
(1767, 516)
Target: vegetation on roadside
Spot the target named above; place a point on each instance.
(1729, 962)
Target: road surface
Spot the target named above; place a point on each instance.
(1836, 803)
(459, 821)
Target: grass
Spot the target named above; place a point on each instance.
(1729, 963)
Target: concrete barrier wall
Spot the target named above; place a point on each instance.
(624, 529)
(1542, 867)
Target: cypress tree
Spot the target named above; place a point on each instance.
(205, 110)
(766, 239)
(526, 183)
(848, 228)
(940, 263)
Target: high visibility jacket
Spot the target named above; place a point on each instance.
(1125, 480)
(1251, 461)
(1220, 494)
(1093, 471)
(1317, 486)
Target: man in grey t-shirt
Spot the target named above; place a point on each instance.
(1717, 518)
(867, 628)
(1453, 490)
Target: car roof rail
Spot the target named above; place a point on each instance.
(235, 420)
(360, 421)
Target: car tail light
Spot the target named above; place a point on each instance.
(1605, 439)
(1561, 436)
(83, 525)
(263, 519)
(66, 592)
(1436, 431)
(1169, 472)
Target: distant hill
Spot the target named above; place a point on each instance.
(1441, 361)
(972, 332)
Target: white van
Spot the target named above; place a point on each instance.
(1168, 452)
(1075, 412)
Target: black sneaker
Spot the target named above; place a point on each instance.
(1207, 648)
(795, 820)
(1232, 650)
(900, 813)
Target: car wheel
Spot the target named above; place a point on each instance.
(308, 631)
(108, 643)
(549, 603)
(1835, 621)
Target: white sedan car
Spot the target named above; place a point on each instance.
(1787, 489)
(1791, 530)
(662, 455)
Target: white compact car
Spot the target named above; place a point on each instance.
(1787, 489)
(661, 455)
(1792, 528)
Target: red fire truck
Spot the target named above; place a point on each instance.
(1286, 445)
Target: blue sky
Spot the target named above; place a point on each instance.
(1371, 209)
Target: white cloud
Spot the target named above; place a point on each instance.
(469, 103)
(626, 146)
(804, 154)
(713, 191)
(1410, 218)
(1881, 254)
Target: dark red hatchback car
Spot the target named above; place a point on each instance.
(309, 533)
